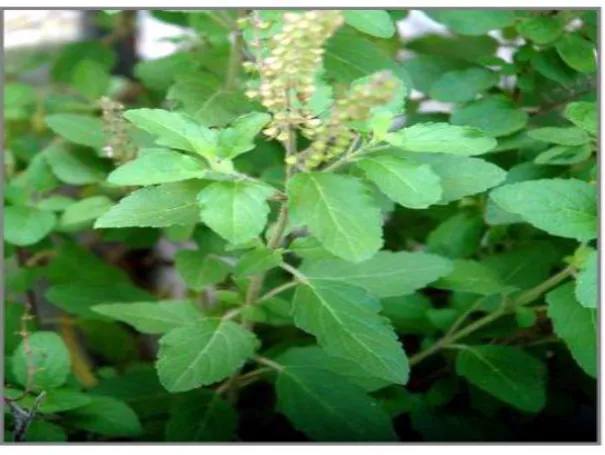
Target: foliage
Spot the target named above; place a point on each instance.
(351, 266)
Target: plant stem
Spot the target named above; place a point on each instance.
(278, 290)
(524, 299)
(294, 271)
(268, 362)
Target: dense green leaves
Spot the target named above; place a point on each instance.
(202, 353)
(26, 225)
(407, 183)
(201, 416)
(152, 317)
(371, 21)
(328, 408)
(442, 138)
(339, 212)
(158, 206)
(565, 208)
(153, 166)
(473, 21)
(576, 326)
(44, 358)
(236, 210)
(106, 416)
(508, 373)
(386, 274)
(345, 321)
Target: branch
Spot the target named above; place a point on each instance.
(524, 299)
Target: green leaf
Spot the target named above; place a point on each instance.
(157, 165)
(91, 78)
(273, 311)
(412, 185)
(463, 176)
(55, 203)
(495, 115)
(42, 431)
(106, 416)
(462, 48)
(257, 261)
(199, 270)
(374, 22)
(55, 401)
(73, 260)
(158, 206)
(236, 210)
(152, 317)
(70, 55)
(425, 70)
(345, 320)
(314, 357)
(310, 249)
(524, 267)
(201, 416)
(79, 129)
(564, 156)
(442, 138)
(203, 353)
(577, 53)
(563, 136)
(460, 86)
(473, 277)
(386, 274)
(206, 99)
(159, 74)
(565, 208)
(338, 211)
(473, 21)
(408, 313)
(239, 137)
(75, 167)
(175, 130)
(84, 211)
(25, 226)
(47, 354)
(586, 282)
(576, 325)
(78, 298)
(326, 407)
(350, 56)
(542, 30)
(583, 114)
(458, 236)
(508, 373)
